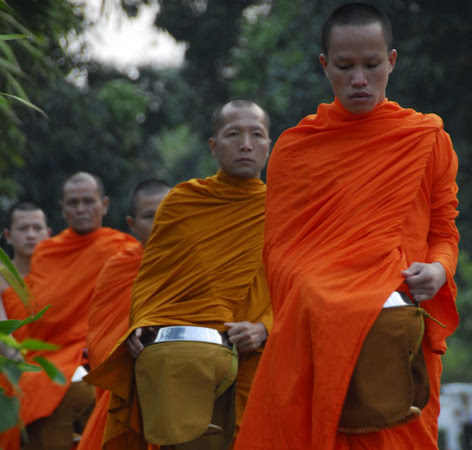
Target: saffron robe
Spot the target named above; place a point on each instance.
(108, 321)
(63, 272)
(201, 266)
(352, 201)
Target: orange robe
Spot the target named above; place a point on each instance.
(352, 201)
(202, 266)
(108, 321)
(63, 274)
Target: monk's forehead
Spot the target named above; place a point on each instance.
(232, 114)
(80, 183)
(34, 215)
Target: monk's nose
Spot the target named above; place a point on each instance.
(358, 78)
(246, 142)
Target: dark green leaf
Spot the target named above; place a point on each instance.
(11, 370)
(53, 372)
(11, 37)
(9, 326)
(36, 344)
(9, 409)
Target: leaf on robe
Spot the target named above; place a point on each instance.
(53, 372)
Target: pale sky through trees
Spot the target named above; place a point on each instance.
(125, 43)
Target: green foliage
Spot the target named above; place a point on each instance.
(9, 411)
(28, 30)
(12, 365)
(52, 371)
(458, 358)
(176, 147)
(11, 275)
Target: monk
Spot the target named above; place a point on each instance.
(109, 307)
(360, 214)
(26, 226)
(63, 273)
(202, 272)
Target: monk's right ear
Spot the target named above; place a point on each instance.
(324, 61)
(6, 233)
(212, 145)
(130, 221)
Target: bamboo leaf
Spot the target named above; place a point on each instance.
(10, 341)
(23, 366)
(10, 67)
(37, 316)
(11, 370)
(17, 87)
(53, 372)
(18, 285)
(36, 344)
(25, 102)
(11, 325)
(9, 18)
(11, 37)
(9, 410)
(6, 261)
(8, 52)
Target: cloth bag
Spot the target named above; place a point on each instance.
(389, 385)
(177, 384)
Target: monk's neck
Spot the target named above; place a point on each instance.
(22, 263)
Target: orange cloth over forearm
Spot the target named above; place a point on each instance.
(108, 321)
(109, 307)
(63, 274)
(352, 201)
(201, 265)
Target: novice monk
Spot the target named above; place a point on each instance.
(361, 202)
(63, 273)
(26, 226)
(202, 266)
(109, 307)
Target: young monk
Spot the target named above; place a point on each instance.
(109, 307)
(26, 226)
(201, 271)
(63, 273)
(360, 213)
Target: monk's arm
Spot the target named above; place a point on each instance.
(443, 237)
(426, 279)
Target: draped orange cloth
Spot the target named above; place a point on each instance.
(63, 274)
(202, 266)
(108, 321)
(352, 200)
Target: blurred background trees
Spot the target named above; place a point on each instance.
(126, 127)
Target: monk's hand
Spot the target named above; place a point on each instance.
(424, 279)
(135, 346)
(246, 335)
